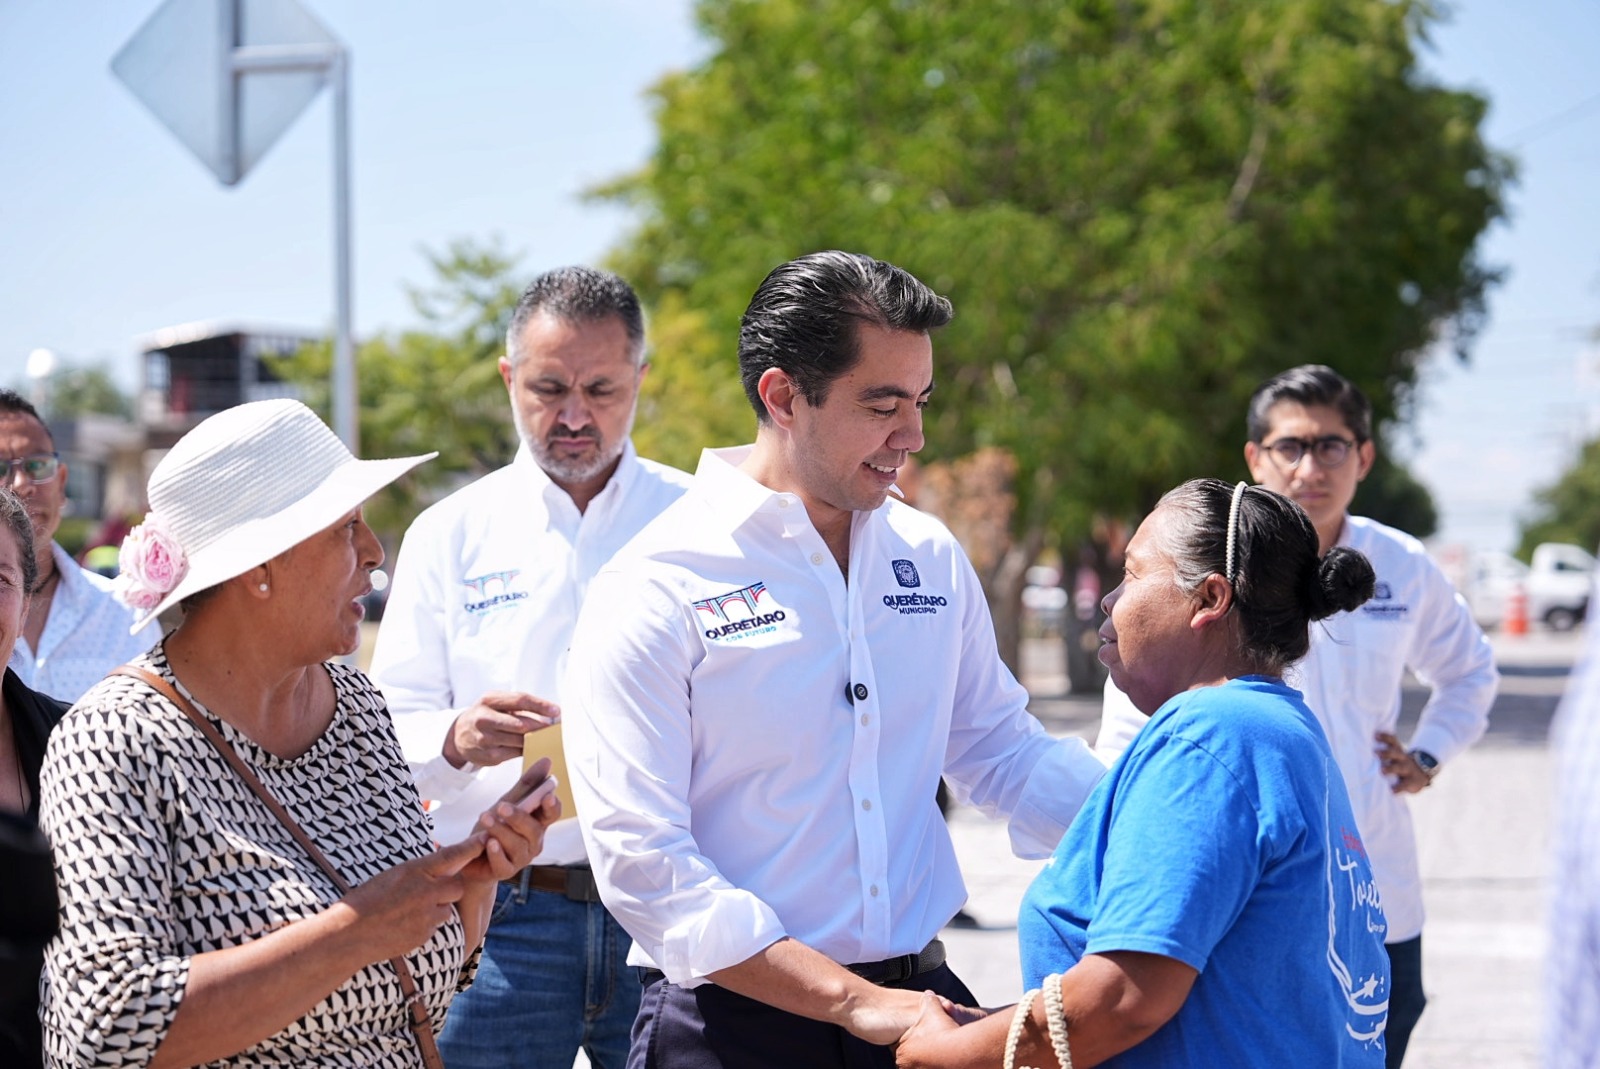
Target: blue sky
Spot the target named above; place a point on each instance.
(480, 118)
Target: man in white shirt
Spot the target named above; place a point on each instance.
(487, 588)
(1310, 439)
(76, 630)
(765, 687)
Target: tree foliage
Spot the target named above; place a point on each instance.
(1139, 208)
(1567, 510)
(82, 389)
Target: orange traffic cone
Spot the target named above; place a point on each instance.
(1516, 620)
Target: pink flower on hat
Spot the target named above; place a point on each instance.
(152, 564)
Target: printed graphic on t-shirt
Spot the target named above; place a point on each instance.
(1354, 915)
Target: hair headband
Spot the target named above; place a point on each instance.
(1233, 525)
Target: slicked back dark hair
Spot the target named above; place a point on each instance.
(1310, 384)
(804, 316)
(578, 295)
(12, 401)
(14, 517)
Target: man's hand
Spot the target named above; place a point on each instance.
(920, 1045)
(491, 731)
(1395, 761)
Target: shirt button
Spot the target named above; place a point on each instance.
(783, 502)
(864, 719)
(873, 890)
(866, 803)
(816, 558)
(861, 692)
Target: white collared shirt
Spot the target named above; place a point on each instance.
(487, 587)
(85, 636)
(755, 744)
(1351, 680)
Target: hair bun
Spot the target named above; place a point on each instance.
(1344, 581)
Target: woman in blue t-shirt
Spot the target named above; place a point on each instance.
(1212, 904)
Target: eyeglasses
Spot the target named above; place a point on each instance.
(1330, 450)
(38, 467)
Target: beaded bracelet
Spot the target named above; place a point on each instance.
(1055, 1017)
(1014, 1034)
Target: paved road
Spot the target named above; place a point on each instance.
(1483, 829)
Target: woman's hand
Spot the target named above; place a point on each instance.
(512, 830)
(400, 908)
(921, 1042)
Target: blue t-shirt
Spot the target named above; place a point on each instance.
(1223, 838)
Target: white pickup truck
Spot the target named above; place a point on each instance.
(1557, 585)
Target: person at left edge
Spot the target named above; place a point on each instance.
(76, 630)
(486, 591)
(765, 686)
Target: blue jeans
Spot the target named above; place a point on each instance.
(553, 978)
(1405, 999)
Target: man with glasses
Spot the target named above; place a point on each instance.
(1310, 439)
(75, 631)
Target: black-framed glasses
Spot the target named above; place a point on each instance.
(38, 467)
(1330, 450)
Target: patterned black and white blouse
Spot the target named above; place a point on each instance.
(162, 852)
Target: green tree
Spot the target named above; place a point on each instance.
(1140, 209)
(1567, 510)
(1390, 494)
(433, 387)
(82, 389)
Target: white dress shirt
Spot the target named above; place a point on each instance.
(487, 587)
(1572, 972)
(85, 636)
(1351, 680)
(755, 744)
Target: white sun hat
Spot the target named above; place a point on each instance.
(237, 490)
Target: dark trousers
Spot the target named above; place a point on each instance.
(709, 1027)
(1405, 999)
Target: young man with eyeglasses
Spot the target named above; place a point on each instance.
(1310, 439)
(75, 631)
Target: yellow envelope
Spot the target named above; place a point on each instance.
(546, 742)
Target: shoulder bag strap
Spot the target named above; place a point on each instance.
(420, 1022)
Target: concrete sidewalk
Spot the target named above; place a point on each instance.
(1483, 829)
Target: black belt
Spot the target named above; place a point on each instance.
(575, 882)
(896, 970)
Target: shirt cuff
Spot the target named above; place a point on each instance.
(735, 927)
(440, 781)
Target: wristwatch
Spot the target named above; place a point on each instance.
(1427, 762)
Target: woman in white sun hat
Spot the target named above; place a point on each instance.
(247, 875)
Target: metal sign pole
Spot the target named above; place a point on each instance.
(228, 129)
(345, 424)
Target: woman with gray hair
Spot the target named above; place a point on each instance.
(1212, 902)
(247, 874)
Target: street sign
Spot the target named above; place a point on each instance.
(196, 64)
(228, 77)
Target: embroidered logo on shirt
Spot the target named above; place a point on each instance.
(739, 613)
(1381, 606)
(492, 590)
(905, 573)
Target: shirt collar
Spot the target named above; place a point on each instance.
(737, 496)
